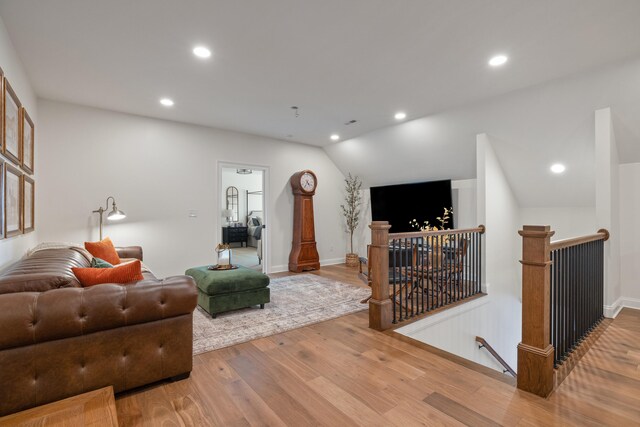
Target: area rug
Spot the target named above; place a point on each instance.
(296, 301)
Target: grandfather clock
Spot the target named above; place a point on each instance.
(304, 254)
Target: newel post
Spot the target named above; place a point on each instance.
(535, 352)
(379, 304)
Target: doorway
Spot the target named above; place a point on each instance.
(242, 207)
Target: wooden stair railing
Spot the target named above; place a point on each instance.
(483, 344)
(414, 274)
(562, 301)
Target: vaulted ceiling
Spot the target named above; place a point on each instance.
(530, 129)
(337, 60)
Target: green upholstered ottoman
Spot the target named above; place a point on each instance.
(225, 290)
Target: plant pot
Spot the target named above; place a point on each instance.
(351, 260)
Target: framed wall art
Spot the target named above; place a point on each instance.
(12, 201)
(11, 147)
(27, 136)
(1, 198)
(28, 202)
(1, 113)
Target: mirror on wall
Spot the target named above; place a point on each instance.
(232, 202)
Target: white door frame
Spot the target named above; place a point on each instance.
(266, 249)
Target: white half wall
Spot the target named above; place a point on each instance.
(630, 235)
(497, 317)
(158, 171)
(608, 203)
(14, 248)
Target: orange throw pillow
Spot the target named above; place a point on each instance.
(126, 273)
(103, 249)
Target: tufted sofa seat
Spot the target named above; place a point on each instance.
(66, 341)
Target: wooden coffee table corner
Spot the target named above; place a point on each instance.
(94, 408)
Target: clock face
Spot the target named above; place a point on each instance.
(307, 182)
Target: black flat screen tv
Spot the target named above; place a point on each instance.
(422, 201)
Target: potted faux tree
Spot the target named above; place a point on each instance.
(351, 212)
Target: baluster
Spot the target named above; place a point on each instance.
(406, 278)
(432, 273)
(585, 289)
(465, 269)
(479, 237)
(421, 249)
(476, 264)
(414, 302)
(576, 293)
(396, 292)
(447, 266)
(468, 263)
(592, 282)
(478, 243)
(572, 296)
(565, 346)
(562, 305)
(553, 302)
(445, 275)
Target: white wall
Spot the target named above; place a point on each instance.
(607, 203)
(158, 171)
(630, 234)
(499, 211)
(567, 222)
(497, 318)
(465, 203)
(244, 183)
(14, 248)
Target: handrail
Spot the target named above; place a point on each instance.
(490, 349)
(421, 273)
(408, 235)
(602, 234)
(562, 301)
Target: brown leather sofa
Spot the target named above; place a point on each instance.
(68, 340)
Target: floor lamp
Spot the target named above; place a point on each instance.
(115, 214)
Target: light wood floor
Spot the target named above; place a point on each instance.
(340, 373)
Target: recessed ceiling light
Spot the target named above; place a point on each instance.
(335, 137)
(498, 60)
(558, 168)
(400, 116)
(166, 102)
(201, 52)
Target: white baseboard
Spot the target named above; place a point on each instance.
(332, 261)
(285, 267)
(611, 311)
(631, 303)
(278, 269)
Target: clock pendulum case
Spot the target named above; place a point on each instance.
(304, 253)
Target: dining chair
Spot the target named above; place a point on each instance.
(403, 272)
(443, 268)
